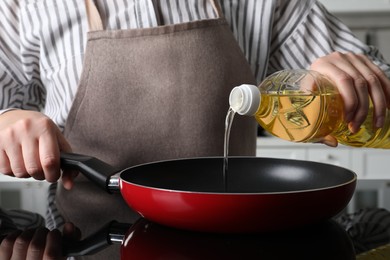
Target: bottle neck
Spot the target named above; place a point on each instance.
(245, 99)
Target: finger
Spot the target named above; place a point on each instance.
(53, 249)
(37, 244)
(31, 158)
(13, 148)
(15, 156)
(7, 245)
(354, 69)
(21, 245)
(345, 85)
(378, 99)
(329, 141)
(5, 167)
(49, 155)
(383, 78)
(68, 177)
(374, 89)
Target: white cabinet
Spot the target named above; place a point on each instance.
(287, 153)
(371, 163)
(331, 156)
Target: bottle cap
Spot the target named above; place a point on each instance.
(245, 99)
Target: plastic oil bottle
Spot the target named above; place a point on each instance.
(303, 106)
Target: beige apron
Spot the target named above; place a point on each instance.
(152, 94)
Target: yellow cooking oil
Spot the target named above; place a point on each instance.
(304, 106)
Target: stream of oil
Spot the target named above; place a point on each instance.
(228, 125)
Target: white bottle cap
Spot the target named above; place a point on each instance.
(245, 99)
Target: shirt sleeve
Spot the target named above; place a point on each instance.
(301, 38)
(20, 86)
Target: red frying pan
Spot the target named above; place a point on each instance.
(259, 195)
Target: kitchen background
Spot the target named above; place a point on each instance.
(370, 20)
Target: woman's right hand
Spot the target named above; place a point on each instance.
(30, 145)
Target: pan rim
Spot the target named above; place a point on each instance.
(241, 193)
(347, 183)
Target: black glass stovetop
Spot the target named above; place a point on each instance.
(147, 240)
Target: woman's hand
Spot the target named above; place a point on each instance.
(30, 145)
(37, 244)
(357, 79)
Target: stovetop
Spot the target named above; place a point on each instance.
(147, 240)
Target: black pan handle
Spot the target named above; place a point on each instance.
(93, 168)
(112, 232)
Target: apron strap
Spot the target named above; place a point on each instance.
(95, 21)
(217, 8)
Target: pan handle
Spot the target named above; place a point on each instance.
(112, 233)
(93, 168)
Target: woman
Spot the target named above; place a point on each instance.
(128, 94)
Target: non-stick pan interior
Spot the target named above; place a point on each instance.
(244, 175)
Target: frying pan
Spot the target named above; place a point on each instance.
(257, 194)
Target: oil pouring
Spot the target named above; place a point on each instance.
(304, 106)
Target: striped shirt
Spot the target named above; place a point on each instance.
(42, 42)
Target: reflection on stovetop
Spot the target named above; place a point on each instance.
(147, 240)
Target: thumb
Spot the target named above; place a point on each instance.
(329, 141)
